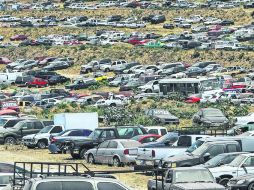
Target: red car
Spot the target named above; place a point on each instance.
(137, 41)
(146, 138)
(37, 82)
(18, 37)
(192, 99)
(4, 60)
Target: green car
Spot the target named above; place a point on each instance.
(154, 44)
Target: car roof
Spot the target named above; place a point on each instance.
(74, 178)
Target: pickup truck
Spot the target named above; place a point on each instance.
(202, 154)
(241, 165)
(185, 179)
(151, 154)
(78, 147)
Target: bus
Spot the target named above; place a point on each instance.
(188, 86)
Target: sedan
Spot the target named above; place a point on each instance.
(115, 152)
(53, 80)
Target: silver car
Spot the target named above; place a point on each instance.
(115, 152)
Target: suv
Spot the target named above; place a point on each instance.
(75, 182)
(23, 80)
(22, 128)
(78, 148)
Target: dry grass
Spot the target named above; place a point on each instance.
(21, 154)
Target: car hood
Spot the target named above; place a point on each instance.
(200, 186)
(181, 157)
(166, 116)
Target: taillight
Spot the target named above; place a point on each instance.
(126, 151)
(153, 153)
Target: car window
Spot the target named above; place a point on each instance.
(216, 150)
(65, 185)
(184, 141)
(153, 131)
(112, 144)
(249, 162)
(109, 186)
(163, 132)
(108, 134)
(128, 132)
(232, 148)
(56, 129)
(149, 139)
(38, 125)
(75, 133)
(104, 144)
(11, 123)
(6, 168)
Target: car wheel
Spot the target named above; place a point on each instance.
(90, 159)
(41, 144)
(224, 182)
(82, 153)
(10, 140)
(251, 186)
(116, 162)
(149, 91)
(113, 105)
(107, 70)
(74, 156)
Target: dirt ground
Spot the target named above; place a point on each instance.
(22, 154)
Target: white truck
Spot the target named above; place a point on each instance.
(152, 154)
(63, 122)
(9, 78)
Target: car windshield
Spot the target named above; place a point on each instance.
(3, 121)
(199, 151)
(215, 160)
(193, 176)
(95, 134)
(237, 161)
(194, 146)
(161, 112)
(212, 113)
(130, 144)
(46, 129)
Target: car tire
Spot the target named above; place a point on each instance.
(116, 162)
(10, 140)
(42, 144)
(224, 182)
(82, 153)
(251, 186)
(90, 159)
(107, 70)
(149, 91)
(113, 105)
(74, 156)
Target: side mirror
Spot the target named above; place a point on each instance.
(207, 155)
(169, 180)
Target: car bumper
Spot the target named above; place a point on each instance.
(237, 187)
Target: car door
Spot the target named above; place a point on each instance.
(100, 152)
(27, 129)
(247, 167)
(110, 152)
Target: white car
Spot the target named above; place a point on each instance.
(244, 120)
(241, 165)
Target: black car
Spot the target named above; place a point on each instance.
(162, 116)
(23, 80)
(57, 79)
(127, 66)
(227, 22)
(244, 182)
(195, 71)
(168, 26)
(132, 85)
(81, 84)
(78, 148)
(173, 70)
(57, 66)
(157, 19)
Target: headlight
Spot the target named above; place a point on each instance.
(241, 182)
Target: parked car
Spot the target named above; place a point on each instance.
(146, 138)
(23, 80)
(37, 82)
(162, 116)
(243, 182)
(18, 37)
(210, 117)
(100, 135)
(56, 79)
(81, 84)
(185, 179)
(14, 134)
(116, 152)
(221, 159)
